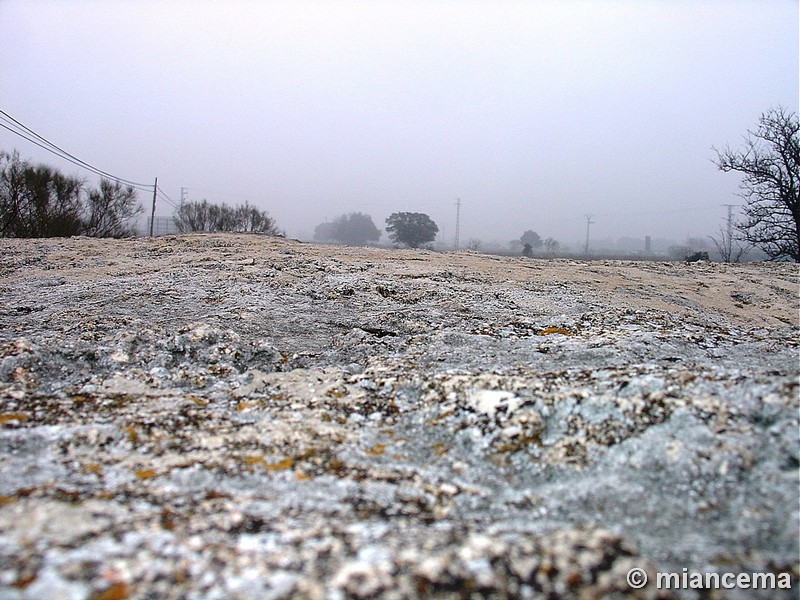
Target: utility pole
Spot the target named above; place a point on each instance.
(730, 219)
(184, 194)
(589, 221)
(729, 241)
(458, 219)
(153, 212)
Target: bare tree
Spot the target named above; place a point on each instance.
(204, 216)
(730, 249)
(474, 244)
(770, 167)
(551, 246)
(111, 210)
(194, 216)
(248, 218)
(679, 251)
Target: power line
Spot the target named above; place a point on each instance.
(163, 195)
(81, 164)
(53, 148)
(658, 211)
(166, 196)
(30, 135)
(167, 200)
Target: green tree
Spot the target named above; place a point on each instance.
(770, 167)
(55, 206)
(12, 192)
(37, 200)
(411, 229)
(532, 238)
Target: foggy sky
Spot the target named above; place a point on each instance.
(533, 113)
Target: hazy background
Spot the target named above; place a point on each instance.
(533, 113)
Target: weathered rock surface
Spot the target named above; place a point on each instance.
(218, 416)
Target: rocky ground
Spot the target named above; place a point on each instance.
(233, 417)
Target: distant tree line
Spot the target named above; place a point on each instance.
(204, 216)
(530, 241)
(355, 229)
(37, 201)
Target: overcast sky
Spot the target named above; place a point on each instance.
(534, 113)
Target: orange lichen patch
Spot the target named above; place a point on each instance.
(443, 415)
(336, 391)
(302, 476)
(335, 466)
(95, 468)
(133, 435)
(219, 369)
(245, 404)
(116, 591)
(7, 499)
(376, 450)
(24, 376)
(574, 578)
(180, 576)
(24, 581)
(67, 495)
(440, 448)
(259, 461)
(79, 398)
(284, 463)
(306, 453)
(216, 495)
(167, 519)
(145, 473)
(551, 330)
(197, 400)
(13, 416)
